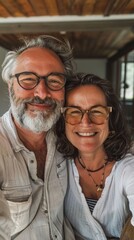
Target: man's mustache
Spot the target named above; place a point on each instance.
(38, 100)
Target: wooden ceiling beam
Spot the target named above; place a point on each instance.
(123, 51)
(64, 23)
(51, 7)
(38, 8)
(109, 7)
(121, 5)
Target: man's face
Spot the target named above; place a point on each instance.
(39, 108)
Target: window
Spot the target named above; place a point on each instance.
(127, 78)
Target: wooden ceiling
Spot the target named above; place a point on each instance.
(95, 28)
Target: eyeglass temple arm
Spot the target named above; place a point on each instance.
(110, 109)
(62, 110)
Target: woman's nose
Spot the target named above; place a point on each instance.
(86, 118)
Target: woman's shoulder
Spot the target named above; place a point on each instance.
(132, 148)
(126, 163)
(127, 159)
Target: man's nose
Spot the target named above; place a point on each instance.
(41, 90)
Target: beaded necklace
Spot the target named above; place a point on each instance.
(99, 187)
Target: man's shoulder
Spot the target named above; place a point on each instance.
(2, 139)
(7, 127)
(4, 143)
(5, 132)
(5, 119)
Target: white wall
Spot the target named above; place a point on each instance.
(95, 66)
(4, 99)
(83, 65)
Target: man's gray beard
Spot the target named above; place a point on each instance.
(42, 121)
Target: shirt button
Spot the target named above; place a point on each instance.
(59, 165)
(31, 161)
(45, 211)
(55, 236)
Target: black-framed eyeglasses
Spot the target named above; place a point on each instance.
(96, 114)
(29, 80)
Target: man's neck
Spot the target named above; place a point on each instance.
(31, 140)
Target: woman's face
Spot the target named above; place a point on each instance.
(87, 136)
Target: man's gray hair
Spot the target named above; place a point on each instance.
(61, 48)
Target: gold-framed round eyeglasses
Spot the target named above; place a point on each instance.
(96, 114)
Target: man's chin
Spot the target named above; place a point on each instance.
(37, 113)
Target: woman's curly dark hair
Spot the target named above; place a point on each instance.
(118, 142)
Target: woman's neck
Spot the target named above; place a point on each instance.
(93, 160)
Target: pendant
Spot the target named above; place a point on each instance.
(99, 188)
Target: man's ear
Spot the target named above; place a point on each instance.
(9, 86)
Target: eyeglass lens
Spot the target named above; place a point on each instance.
(96, 115)
(28, 81)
